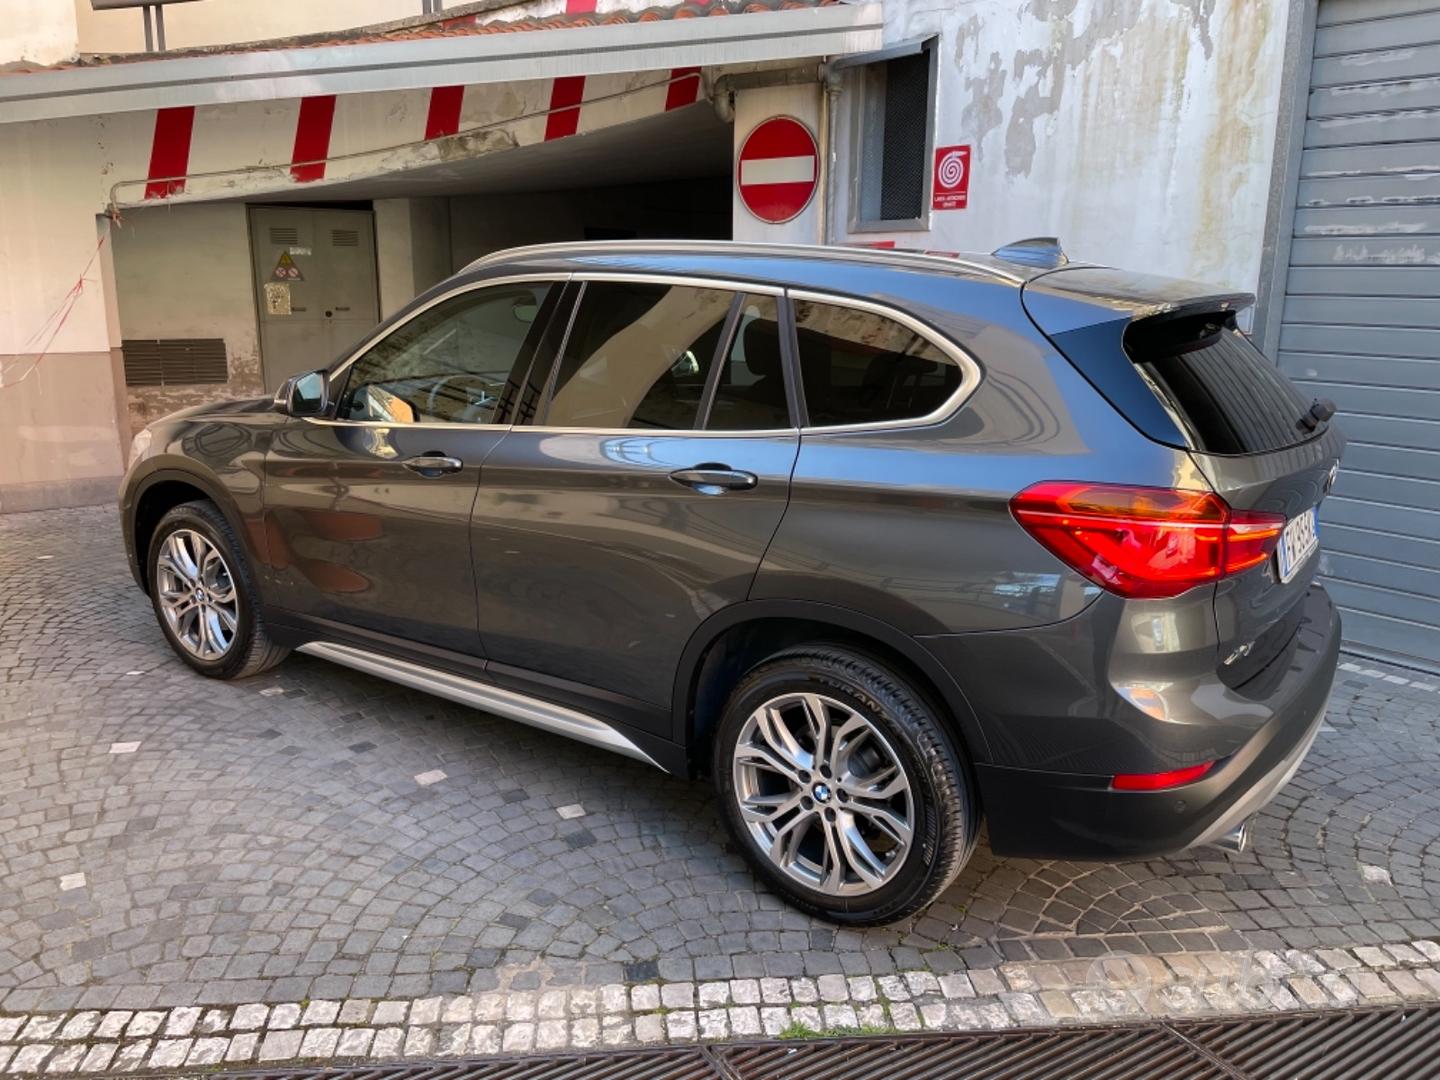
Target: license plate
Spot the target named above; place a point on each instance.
(1297, 543)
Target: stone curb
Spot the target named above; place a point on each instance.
(1114, 987)
(1351, 667)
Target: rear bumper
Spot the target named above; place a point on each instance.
(1044, 814)
(1256, 797)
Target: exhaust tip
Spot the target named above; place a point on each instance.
(1237, 840)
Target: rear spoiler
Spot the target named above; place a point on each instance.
(1086, 311)
(1077, 296)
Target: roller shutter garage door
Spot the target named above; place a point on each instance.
(1361, 320)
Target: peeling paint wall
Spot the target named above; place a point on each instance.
(1139, 131)
(184, 272)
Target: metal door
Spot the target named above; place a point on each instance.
(1361, 320)
(314, 273)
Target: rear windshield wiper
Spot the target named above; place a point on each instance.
(1321, 410)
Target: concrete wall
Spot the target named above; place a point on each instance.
(62, 436)
(223, 22)
(1138, 131)
(185, 272)
(218, 22)
(412, 248)
(481, 224)
(37, 32)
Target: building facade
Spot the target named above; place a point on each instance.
(201, 222)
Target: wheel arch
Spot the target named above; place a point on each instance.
(736, 638)
(158, 492)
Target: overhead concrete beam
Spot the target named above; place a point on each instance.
(470, 59)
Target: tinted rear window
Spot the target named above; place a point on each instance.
(861, 368)
(1228, 397)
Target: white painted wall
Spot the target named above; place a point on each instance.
(52, 184)
(37, 31)
(60, 427)
(62, 431)
(1138, 131)
(220, 22)
(228, 22)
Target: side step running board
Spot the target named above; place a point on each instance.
(507, 703)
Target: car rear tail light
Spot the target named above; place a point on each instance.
(1144, 542)
(1160, 781)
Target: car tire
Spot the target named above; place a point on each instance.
(220, 634)
(796, 824)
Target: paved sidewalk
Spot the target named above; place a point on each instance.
(315, 835)
(521, 1021)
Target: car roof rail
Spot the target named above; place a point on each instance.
(1042, 251)
(933, 260)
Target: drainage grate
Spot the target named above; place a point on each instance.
(1390, 1044)
(1397, 1044)
(689, 1063)
(1075, 1054)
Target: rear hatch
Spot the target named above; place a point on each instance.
(1168, 355)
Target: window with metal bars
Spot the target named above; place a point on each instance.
(893, 141)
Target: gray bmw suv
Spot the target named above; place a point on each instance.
(883, 543)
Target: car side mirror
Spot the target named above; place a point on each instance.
(305, 395)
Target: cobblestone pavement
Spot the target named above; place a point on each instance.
(177, 847)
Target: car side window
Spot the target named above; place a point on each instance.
(452, 363)
(858, 367)
(750, 390)
(638, 356)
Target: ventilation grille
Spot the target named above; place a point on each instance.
(344, 238)
(284, 235)
(175, 362)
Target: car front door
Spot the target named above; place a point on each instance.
(368, 509)
(643, 499)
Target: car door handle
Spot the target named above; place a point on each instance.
(711, 479)
(433, 464)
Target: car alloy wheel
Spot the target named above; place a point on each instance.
(823, 794)
(197, 595)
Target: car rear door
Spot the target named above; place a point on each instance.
(644, 497)
(367, 509)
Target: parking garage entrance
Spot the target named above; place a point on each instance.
(287, 283)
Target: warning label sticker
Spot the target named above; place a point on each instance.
(277, 298)
(286, 270)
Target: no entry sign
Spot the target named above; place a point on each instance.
(951, 187)
(778, 169)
